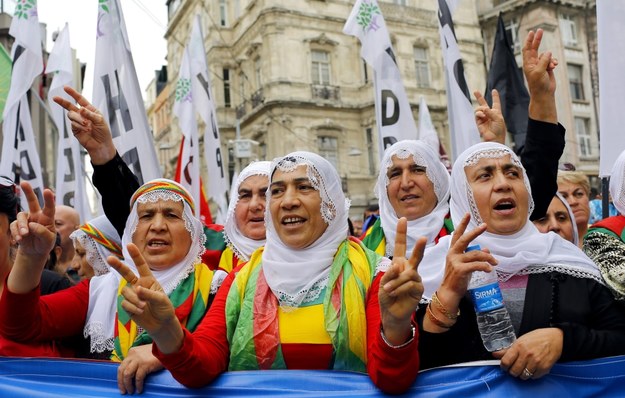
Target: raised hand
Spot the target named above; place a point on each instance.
(532, 355)
(35, 233)
(489, 120)
(133, 370)
(147, 304)
(89, 127)
(401, 287)
(459, 266)
(538, 70)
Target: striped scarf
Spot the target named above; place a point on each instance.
(252, 312)
(374, 239)
(190, 299)
(100, 238)
(229, 260)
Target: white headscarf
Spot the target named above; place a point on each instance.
(617, 184)
(100, 324)
(527, 251)
(428, 225)
(240, 244)
(94, 236)
(571, 216)
(298, 276)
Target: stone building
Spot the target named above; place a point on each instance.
(284, 72)
(571, 35)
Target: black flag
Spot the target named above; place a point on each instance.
(505, 76)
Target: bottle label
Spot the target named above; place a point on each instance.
(487, 298)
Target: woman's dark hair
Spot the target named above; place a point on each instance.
(9, 201)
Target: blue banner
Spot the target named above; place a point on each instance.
(29, 377)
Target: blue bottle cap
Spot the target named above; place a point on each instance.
(473, 247)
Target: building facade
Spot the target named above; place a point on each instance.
(570, 28)
(285, 76)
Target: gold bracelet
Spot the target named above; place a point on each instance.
(435, 320)
(444, 310)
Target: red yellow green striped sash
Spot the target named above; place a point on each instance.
(252, 312)
(229, 260)
(190, 299)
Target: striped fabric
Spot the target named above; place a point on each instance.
(252, 312)
(214, 245)
(190, 299)
(163, 185)
(103, 240)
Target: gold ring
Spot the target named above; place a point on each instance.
(527, 373)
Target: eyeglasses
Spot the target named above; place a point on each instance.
(566, 166)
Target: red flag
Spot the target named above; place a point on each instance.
(205, 212)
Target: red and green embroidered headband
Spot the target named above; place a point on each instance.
(163, 185)
(103, 240)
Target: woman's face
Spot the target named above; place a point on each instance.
(79, 262)
(500, 194)
(161, 235)
(250, 211)
(557, 220)
(577, 198)
(409, 190)
(296, 208)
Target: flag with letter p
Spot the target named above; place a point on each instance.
(116, 93)
(19, 151)
(394, 117)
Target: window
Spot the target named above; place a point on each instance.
(576, 85)
(512, 31)
(421, 67)
(226, 76)
(258, 70)
(320, 67)
(568, 29)
(223, 13)
(370, 150)
(328, 148)
(584, 140)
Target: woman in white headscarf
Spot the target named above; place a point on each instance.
(161, 226)
(312, 298)
(559, 219)
(94, 241)
(558, 304)
(244, 230)
(605, 240)
(412, 183)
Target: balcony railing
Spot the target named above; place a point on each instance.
(326, 92)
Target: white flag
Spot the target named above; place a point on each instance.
(462, 126)
(70, 182)
(190, 156)
(116, 93)
(392, 108)
(217, 187)
(19, 151)
(611, 60)
(427, 132)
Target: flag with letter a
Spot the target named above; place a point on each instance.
(394, 117)
(462, 126)
(19, 151)
(70, 181)
(217, 187)
(116, 93)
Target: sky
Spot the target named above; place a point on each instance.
(146, 23)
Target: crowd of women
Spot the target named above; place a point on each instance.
(292, 289)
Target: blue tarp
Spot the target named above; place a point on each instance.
(29, 377)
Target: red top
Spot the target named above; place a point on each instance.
(205, 353)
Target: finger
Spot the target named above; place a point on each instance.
(140, 376)
(509, 358)
(120, 377)
(465, 240)
(122, 269)
(391, 273)
(131, 308)
(527, 47)
(496, 99)
(128, 377)
(153, 296)
(480, 98)
(417, 253)
(543, 61)
(21, 225)
(82, 101)
(92, 115)
(137, 258)
(538, 37)
(49, 206)
(409, 288)
(400, 238)
(31, 197)
(68, 105)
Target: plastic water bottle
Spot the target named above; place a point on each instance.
(493, 319)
